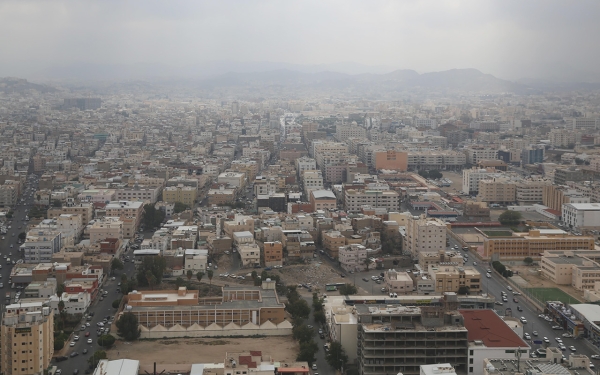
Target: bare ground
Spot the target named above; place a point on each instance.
(202, 350)
(536, 281)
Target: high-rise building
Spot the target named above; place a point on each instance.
(27, 339)
(425, 234)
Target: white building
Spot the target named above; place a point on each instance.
(75, 303)
(581, 215)
(195, 260)
(471, 178)
(354, 199)
(249, 254)
(305, 164)
(40, 244)
(353, 257)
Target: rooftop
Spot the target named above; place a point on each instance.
(487, 327)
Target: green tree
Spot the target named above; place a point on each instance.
(510, 218)
(151, 279)
(367, 262)
(199, 276)
(423, 173)
(22, 236)
(319, 317)
(528, 261)
(179, 282)
(189, 274)
(116, 264)
(336, 357)
(57, 203)
(435, 174)
(463, 290)
(298, 308)
(152, 216)
(154, 266)
(116, 303)
(59, 343)
(106, 341)
(128, 327)
(180, 207)
(347, 290)
(302, 333)
(96, 357)
(307, 351)
(60, 289)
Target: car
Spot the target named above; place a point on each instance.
(516, 294)
(383, 289)
(562, 347)
(474, 263)
(515, 300)
(85, 351)
(76, 338)
(488, 275)
(572, 348)
(100, 324)
(557, 327)
(75, 372)
(498, 303)
(74, 354)
(87, 334)
(58, 371)
(541, 316)
(523, 320)
(567, 335)
(72, 343)
(61, 358)
(310, 327)
(519, 308)
(595, 356)
(87, 324)
(89, 341)
(546, 340)
(592, 365)
(365, 279)
(509, 288)
(314, 366)
(558, 339)
(533, 355)
(527, 336)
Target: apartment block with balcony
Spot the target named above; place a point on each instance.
(26, 338)
(107, 227)
(273, 253)
(355, 199)
(425, 235)
(182, 194)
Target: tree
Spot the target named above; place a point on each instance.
(57, 203)
(347, 290)
(22, 236)
(180, 207)
(151, 279)
(154, 266)
(423, 173)
(368, 262)
(209, 273)
(106, 341)
(307, 351)
(128, 327)
(199, 276)
(59, 343)
(336, 357)
(302, 333)
(435, 174)
(61, 306)
(319, 317)
(116, 303)
(510, 218)
(116, 264)
(152, 216)
(189, 274)
(96, 357)
(463, 290)
(528, 261)
(179, 282)
(298, 308)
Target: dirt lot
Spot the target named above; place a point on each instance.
(314, 273)
(173, 351)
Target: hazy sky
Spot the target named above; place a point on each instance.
(510, 39)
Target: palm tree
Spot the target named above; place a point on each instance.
(367, 263)
(189, 274)
(199, 276)
(209, 273)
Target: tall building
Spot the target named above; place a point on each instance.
(27, 339)
(532, 155)
(584, 123)
(425, 234)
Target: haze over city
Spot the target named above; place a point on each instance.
(551, 40)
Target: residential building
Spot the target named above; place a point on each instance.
(305, 164)
(234, 179)
(355, 199)
(353, 257)
(221, 196)
(249, 254)
(476, 153)
(563, 175)
(298, 244)
(530, 191)
(497, 190)
(436, 257)
(86, 210)
(323, 200)
(476, 209)
(136, 193)
(398, 282)
(195, 260)
(391, 159)
(555, 196)
(182, 194)
(312, 180)
(107, 227)
(454, 278)
(343, 132)
(273, 253)
(585, 124)
(26, 338)
(332, 241)
(425, 235)
(532, 244)
(561, 138)
(8, 195)
(40, 244)
(471, 178)
(581, 215)
(125, 210)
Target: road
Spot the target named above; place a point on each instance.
(496, 284)
(322, 365)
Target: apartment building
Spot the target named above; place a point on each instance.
(585, 123)
(107, 227)
(476, 153)
(533, 244)
(563, 175)
(298, 243)
(130, 212)
(530, 192)
(221, 196)
(399, 339)
(352, 257)
(343, 132)
(182, 194)
(555, 196)
(26, 338)
(273, 253)
(497, 190)
(391, 159)
(8, 195)
(448, 277)
(312, 180)
(40, 245)
(85, 210)
(137, 193)
(562, 138)
(305, 164)
(234, 179)
(427, 258)
(323, 200)
(425, 235)
(249, 254)
(355, 199)
(581, 215)
(471, 178)
(332, 241)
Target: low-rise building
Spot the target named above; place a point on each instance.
(273, 253)
(453, 278)
(332, 241)
(398, 282)
(353, 257)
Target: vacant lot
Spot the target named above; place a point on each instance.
(550, 294)
(198, 350)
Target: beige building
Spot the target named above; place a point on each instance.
(398, 282)
(273, 253)
(27, 339)
(235, 179)
(221, 196)
(497, 190)
(130, 212)
(332, 241)
(355, 199)
(580, 269)
(108, 227)
(182, 194)
(425, 234)
(531, 192)
(450, 278)
(441, 256)
(533, 244)
(554, 196)
(86, 210)
(353, 257)
(249, 254)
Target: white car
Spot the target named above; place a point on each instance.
(72, 343)
(89, 341)
(573, 349)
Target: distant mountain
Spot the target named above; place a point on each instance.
(20, 85)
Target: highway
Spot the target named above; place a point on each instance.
(496, 284)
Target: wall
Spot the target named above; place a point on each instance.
(214, 330)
